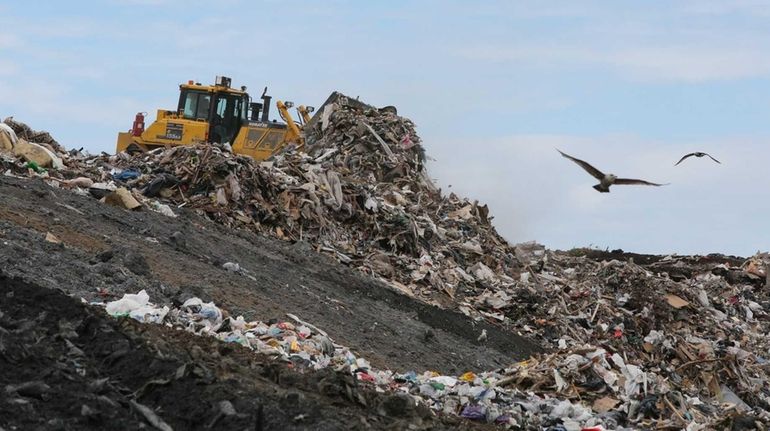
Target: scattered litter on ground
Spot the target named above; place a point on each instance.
(674, 342)
(67, 365)
(669, 377)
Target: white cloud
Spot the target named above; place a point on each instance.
(91, 72)
(684, 63)
(8, 67)
(691, 63)
(523, 9)
(585, 199)
(684, 44)
(9, 41)
(723, 7)
(38, 99)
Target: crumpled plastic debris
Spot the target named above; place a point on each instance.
(129, 302)
(127, 175)
(291, 339)
(161, 208)
(474, 412)
(137, 307)
(207, 310)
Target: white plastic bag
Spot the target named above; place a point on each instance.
(128, 303)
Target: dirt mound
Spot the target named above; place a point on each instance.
(111, 252)
(66, 365)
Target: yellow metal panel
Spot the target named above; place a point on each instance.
(124, 140)
(257, 142)
(175, 131)
(253, 137)
(272, 141)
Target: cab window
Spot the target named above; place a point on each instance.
(244, 108)
(230, 107)
(196, 105)
(222, 106)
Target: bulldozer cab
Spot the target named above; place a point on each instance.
(224, 109)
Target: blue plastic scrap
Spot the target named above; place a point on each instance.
(474, 412)
(127, 175)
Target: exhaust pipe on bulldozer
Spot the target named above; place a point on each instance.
(256, 108)
(265, 106)
(261, 108)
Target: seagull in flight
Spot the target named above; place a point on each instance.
(697, 154)
(606, 180)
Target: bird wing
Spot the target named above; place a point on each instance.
(685, 156)
(585, 165)
(713, 158)
(629, 181)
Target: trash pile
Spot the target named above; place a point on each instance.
(24, 132)
(38, 150)
(635, 349)
(676, 342)
(360, 193)
(296, 341)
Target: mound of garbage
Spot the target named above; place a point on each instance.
(667, 342)
(644, 351)
(360, 193)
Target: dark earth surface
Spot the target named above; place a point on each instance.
(107, 251)
(67, 366)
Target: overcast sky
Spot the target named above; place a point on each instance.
(494, 88)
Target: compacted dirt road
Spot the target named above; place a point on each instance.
(84, 369)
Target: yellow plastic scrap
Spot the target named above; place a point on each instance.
(468, 377)
(294, 347)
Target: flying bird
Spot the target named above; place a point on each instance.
(606, 180)
(697, 154)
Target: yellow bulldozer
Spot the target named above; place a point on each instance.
(218, 113)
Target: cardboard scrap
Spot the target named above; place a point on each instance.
(463, 213)
(676, 301)
(122, 198)
(756, 268)
(605, 404)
